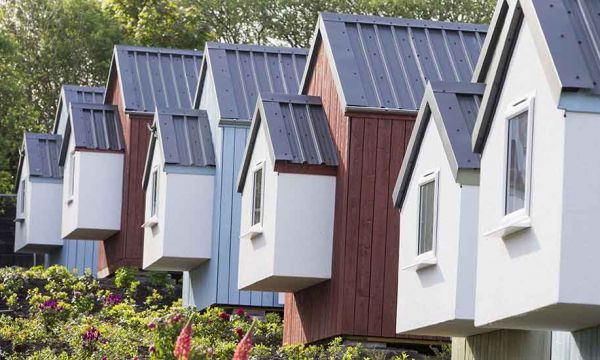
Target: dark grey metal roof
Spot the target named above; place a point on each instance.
(94, 127)
(185, 139)
(454, 108)
(242, 72)
(77, 94)
(385, 62)
(42, 152)
(297, 131)
(571, 30)
(153, 78)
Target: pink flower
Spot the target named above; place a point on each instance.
(104, 358)
(242, 351)
(151, 349)
(176, 318)
(184, 342)
(224, 315)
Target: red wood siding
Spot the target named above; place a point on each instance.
(125, 248)
(360, 298)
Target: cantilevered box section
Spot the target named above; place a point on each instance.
(287, 183)
(92, 156)
(39, 190)
(179, 186)
(437, 194)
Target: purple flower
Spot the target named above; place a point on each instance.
(112, 299)
(151, 349)
(50, 304)
(176, 318)
(151, 325)
(224, 316)
(91, 335)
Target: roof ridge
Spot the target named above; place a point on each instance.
(256, 47)
(399, 21)
(160, 50)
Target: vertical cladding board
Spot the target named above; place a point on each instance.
(79, 254)
(360, 298)
(215, 282)
(125, 247)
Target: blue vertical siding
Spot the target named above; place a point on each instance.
(215, 282)
(76, 254)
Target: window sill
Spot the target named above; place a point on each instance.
(253, 232)
(510, 224)
(19, 219)
(422, 261)
(150, 223)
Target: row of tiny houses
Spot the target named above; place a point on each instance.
(394, 181)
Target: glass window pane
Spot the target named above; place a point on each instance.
(22, 197)
(516, 163)
(426, 214)
(257, 201)
(154, 193)
(72, 176)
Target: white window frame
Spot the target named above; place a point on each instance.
(428, 258)
(21, 198)
(71, 184)
(152, 207)
(256, 228)
(519, 219)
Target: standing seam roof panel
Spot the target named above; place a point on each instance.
(156, 77)
(386, 62)
(42, 155)
(242, 72)
(297, 129)
(77, 94)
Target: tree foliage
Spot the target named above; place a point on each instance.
(47, 43)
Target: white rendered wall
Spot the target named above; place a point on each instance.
(94, 211)
(439, 299)
(520, 274)
(181, 240)
(40, 230)
(295, 247)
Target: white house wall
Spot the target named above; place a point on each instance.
(257, 255)
(520, 273)
(40, 230)
(439, 299)
(94, 212)
(295, 247)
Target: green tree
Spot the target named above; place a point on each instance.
(46, 43)
(164, 23)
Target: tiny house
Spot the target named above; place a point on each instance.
(140, 81)
(231, 79)
(39, 192)
(287, 181)
(437, 194)
(537, 134)
(179, 185)
(75, 254)
(92, 156)
(370, 73)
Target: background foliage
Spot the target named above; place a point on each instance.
(46, 43)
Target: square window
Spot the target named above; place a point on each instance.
(257, 197)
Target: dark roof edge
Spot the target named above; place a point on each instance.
(290, 98)
(494, 90)
(254, 126)
(491, 41)
(150, 154)
(457, 87)
(427, 109)
(252, 47)
(159, 50)
(398, 21)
